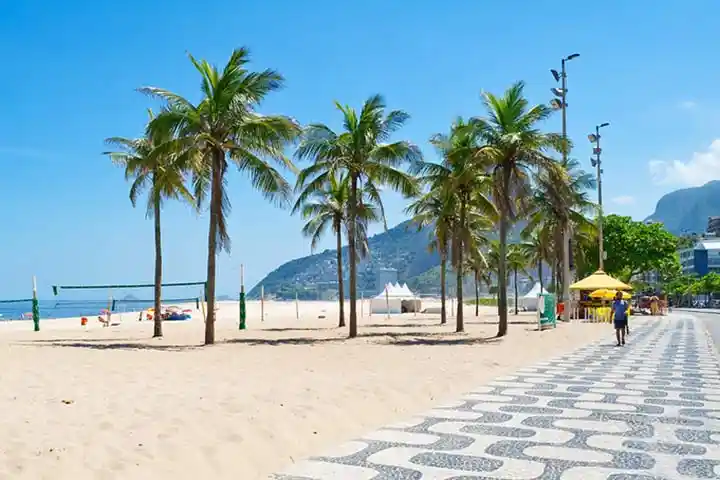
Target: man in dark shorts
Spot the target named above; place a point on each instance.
(619, 315)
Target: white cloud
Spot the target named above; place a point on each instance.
(687, 105)
(623, 200)
(698, 170)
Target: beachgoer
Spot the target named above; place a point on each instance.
(619, 313)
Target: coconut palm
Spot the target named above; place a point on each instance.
(461, 172)
(535, 246)
(436, 209)
(222, 128)
(517, 262)
(512, 147)
(162, 177)
(560, 200)
(328, 208)
(362, 151)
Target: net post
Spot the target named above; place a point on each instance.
(35, 306)
(262, 303)
(297, 306)
(242, 297)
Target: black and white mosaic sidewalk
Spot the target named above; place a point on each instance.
(646, 411)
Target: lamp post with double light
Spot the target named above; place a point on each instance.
(596, 162)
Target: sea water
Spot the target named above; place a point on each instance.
(64, 309)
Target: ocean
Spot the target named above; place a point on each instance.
(68, 308)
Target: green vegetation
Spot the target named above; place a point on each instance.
(632, 248)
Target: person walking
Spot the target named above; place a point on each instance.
(620, 320)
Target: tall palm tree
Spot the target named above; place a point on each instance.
(462, 173)
(535, 246)
(328, 208)
(517, 262)
(513, 148)
(225, 127)
(436, 209)
(162, 176)
(362, 151)
(560, 200)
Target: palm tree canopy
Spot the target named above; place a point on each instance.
(327, 208)
(514, 146)
(361, 151)
(225, 126)
(163, 176)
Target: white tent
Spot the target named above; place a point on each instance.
(529, 300)
(395, 299)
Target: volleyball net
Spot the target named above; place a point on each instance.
(87, 300)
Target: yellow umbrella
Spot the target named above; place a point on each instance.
(602, 293)
(600, 280)
(605, 294)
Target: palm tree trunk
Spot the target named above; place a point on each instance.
(540, 272)
(157, 317)
(460, 321)
(215, 212)
(341, 289)
(352, 228)
(443, 292)
(516, 290)
(477, 294)
(502, 264)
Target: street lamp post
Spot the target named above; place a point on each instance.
(561, 103)
(596, 162)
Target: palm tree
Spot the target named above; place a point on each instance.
(436, 209)
(361, 152)
(535, 246)
(517, 261)
(462, 173)
(162, 176)
(561, 200)
(478, 264)
(328, 208)
(513, 147)
(224, 127)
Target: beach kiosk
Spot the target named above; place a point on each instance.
(589, 307)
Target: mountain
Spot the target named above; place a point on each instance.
(403, 248)
(687, 210)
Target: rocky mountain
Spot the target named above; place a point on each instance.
(402, 248)
(687, 210)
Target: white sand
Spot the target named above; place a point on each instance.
(111, 403)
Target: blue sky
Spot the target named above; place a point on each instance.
(70, 69)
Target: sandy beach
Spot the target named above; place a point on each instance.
(112, 403)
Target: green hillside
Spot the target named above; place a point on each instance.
(403, 248)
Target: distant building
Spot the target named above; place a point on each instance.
(385, 276)
(702, 258)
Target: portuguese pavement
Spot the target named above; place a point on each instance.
(646, 411)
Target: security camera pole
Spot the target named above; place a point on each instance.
(595, 139)
(562, 105)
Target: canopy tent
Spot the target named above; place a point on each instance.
(599, 280)
(395, 299)
(530, 299)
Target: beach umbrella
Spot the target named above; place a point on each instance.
(600, 280)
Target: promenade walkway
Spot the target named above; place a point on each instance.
(646, 411)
